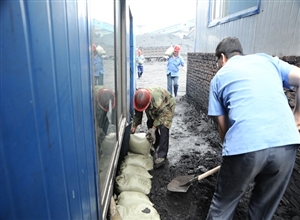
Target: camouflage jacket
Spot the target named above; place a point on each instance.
(161, 108)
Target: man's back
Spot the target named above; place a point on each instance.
(249, 90)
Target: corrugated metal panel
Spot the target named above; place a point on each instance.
(275, 30)
(48, 168)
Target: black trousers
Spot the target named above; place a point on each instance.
(162, 139)
(270, 170)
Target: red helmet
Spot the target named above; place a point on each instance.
(94, 47)
(103, 98)
(176, 48)
(142, 99)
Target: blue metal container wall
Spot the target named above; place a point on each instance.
(48, 159)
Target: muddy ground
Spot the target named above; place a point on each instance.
(194, 149)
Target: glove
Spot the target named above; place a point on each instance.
(151, 135)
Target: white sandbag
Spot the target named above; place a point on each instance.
(169, 52)
(128, 198)
(109, 141)
(132, 182)
(139, 160)
(132, 169)
(139, 144)
(138, 212)
(100, 50)
(113, 211)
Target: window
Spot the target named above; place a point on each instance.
(103, 79)
(222, 11)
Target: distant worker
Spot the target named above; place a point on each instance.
(140, 59)
(258, 129)
(98, 67)
(173, 70)
(159, 106)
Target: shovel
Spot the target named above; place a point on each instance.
(183, 183)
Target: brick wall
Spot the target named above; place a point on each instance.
(200, 70)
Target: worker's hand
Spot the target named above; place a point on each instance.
(151, 135)
(133, 130)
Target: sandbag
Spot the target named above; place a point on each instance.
(96, 89)
(139, 160)
(169, 52)
(128, 198)
(113, 211)
(130, 169)
(109, 141)
(100, 50)
(139, 144)
(138, 212)
(132, 182)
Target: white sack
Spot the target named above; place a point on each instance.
(131, 182)
(139, 160)
(169, 52)
(100, 50)
(128, 198)
(138, 212)
(139, 144)
(132, 169)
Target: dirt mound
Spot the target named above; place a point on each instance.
(162, 40)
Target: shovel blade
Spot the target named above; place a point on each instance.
(176, 184)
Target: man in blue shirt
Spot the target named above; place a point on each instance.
(140, 59)
(98, 67)
(173, 70)
(257, 126)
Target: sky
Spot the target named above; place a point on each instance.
(149, 15)
(153, 15)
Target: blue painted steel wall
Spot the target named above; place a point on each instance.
(48, 164)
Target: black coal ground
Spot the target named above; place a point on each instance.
(194, 204)
(194, 149)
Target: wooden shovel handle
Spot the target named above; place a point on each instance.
(212, 171)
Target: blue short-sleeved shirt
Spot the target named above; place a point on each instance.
(249, 89)
(98, 65)
(140, 60)
(173, 65)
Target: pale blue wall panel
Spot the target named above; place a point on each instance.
(275, 30)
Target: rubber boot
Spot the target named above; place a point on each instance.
(175, 90)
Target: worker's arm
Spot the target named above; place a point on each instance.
(137, 120)
(223, 126)
(294, 80)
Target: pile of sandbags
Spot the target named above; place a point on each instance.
(133, 182)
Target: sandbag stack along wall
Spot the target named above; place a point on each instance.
(133, 182)
(201, 69)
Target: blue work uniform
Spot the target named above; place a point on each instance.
(140, 59)
(173, 73)
(261, 143)
(98, 70)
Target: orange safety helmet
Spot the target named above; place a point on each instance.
(142, 99)
(176, 48)
(94, 47)
(103, 98)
